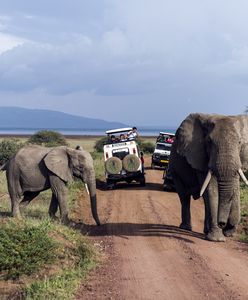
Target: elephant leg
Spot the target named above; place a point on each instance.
(211, 198)
(59, 190)
(15, 208)
(53, 208)
(207, 220)
(185, 212)
(184, 197)
(234, 216)
(28, 197)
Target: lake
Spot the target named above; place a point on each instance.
(76, 132)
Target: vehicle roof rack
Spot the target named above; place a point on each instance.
(119, 130)
(166, 133)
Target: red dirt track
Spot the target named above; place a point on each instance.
(149, 257)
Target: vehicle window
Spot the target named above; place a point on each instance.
(120, 153)
(163, 147)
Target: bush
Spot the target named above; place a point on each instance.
(48, 138)
(100, 143)
(24, 248)
(8, 148)
(146, 147)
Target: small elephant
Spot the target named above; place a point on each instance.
(208, 158)
(34, 169)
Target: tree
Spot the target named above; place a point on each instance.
(48, 138)
(8, 148)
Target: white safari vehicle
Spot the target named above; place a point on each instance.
(122, 158)
(161, 154)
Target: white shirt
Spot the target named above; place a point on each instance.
(132, 134)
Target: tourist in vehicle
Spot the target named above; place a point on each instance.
(133, 134)
(123, 137)
(112, 139)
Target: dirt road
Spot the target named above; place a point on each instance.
(149, 257)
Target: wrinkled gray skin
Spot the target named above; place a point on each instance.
(34, 169)
(219, 144)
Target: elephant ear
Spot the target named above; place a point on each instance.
(191, 143)
(57, 161)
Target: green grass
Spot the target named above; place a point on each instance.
(25, 248)
(99, 165)
(50, 259)
(79, 256)
(244, 213)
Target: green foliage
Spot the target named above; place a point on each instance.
(48, 138)
(8, 147)
(98, 165)
(63, 285)
(24, 248)
(244, 212)
(145, 146)
(100, 143)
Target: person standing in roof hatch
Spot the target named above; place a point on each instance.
(133, 134)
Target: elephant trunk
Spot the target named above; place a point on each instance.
(91, 185)
(228, 180)
(225, 197)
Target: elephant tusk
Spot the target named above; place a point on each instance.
(242, 175)
(87, 189)
(205, 183)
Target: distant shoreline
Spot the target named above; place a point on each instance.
(68, 136)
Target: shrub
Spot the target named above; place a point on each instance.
(146, 147)
(100, 143)
(8, 148)
(48, 138)
(24, 248)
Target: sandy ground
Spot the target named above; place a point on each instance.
(149, 257)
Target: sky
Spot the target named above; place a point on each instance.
(140, 62)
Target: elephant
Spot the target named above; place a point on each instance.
(36, 168)
(208, 157)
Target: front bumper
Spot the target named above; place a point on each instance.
(124, 177)
(160, 161)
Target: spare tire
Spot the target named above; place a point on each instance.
(113, 165)
(131, 163)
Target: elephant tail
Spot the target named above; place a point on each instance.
(4, 166)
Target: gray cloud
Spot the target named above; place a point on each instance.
(191, 55)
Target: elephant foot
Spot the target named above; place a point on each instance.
(185, 226)
(65, 220)
(17, 215)
(215, 235)
(53, 217)
(229, 230)
(206, 229)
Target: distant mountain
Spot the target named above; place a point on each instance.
(16, 117)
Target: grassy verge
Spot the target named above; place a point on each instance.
(244, 213)
(74, 261)
(40, 259)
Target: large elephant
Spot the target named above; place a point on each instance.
(208, 157)
(34, 169)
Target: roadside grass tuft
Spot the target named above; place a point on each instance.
(25, 248)
(99, 165)
(244, 213)
(76, 259)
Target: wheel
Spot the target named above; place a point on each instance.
(131, 163)
(113, 165)
(143, 181)
(111, 185)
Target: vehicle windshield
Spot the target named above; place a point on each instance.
(163, 147)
